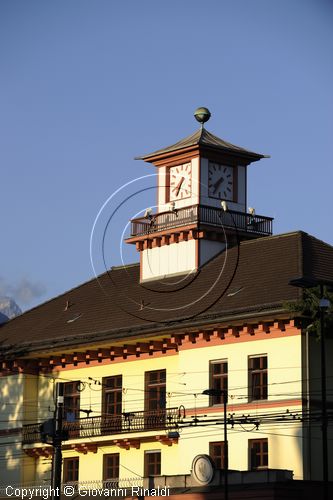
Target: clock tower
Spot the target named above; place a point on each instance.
(201, 208)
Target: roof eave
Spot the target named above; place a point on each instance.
(50, 345)
(151, 158)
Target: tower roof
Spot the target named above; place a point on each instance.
(205, 139)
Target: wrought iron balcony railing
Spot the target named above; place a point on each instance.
(104, 425)
(205, 216)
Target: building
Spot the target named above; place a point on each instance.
(206, 307)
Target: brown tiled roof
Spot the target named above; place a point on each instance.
(317, 259)
(249, 279)
(203, 138)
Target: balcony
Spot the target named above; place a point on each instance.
(107, 425)
(200, 216)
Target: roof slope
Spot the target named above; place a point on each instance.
(202, 138)
(250, 278)
(317, 259)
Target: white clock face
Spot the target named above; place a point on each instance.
(220, 181)
(180, 182)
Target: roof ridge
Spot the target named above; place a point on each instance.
(272, 236)
(124, 266)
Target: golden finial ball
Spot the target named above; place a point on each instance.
(202, 115)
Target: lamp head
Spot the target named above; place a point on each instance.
(224, 206)
(148, 213)
(172, 206)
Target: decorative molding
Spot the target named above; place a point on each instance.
(37, 452)
(85, 448)
(214, 335)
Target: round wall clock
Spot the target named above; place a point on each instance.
(220, 181)
(180, 182)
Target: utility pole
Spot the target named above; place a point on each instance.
(57, 441)
(224, 393)
(225, 446)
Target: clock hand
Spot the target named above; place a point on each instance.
(217, 184)
(179, 185)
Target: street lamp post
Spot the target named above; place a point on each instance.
(324, 304)
(224, 393)
(57, 442)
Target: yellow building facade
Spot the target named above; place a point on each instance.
(135, 349)
(196, 421)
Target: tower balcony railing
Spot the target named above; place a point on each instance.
(105, 425)
(202, 215)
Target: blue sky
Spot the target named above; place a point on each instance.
(85, 86)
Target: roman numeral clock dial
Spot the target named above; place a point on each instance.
(220, 181)
(180, 182)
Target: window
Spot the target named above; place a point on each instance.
(216, 453)
(71, 470)
(152, 463)
(71, 401)
(155, 382)
(112, 395)
(111, 468)
(258, 378)
(258, 454)
(218, 374)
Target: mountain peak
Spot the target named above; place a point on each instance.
(8, 309)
